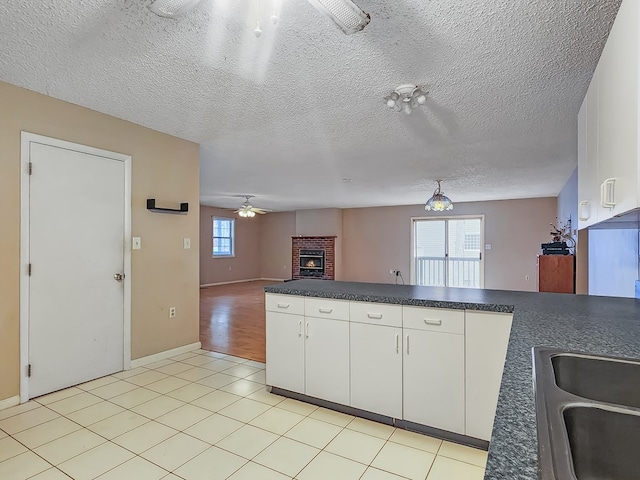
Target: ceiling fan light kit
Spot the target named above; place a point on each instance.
(345, 14)
(247, 210)
(172, 8)
(405, 98)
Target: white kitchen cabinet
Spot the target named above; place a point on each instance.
(608, 180)
(327, 359)
(306, 354)
(433, 379)
(618, 113)
(376, 368)
(437, 367)
(486, 340)
(285, 351)
(588, 187)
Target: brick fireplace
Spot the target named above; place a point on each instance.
(313, 257)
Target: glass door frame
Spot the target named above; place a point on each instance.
(412, 260)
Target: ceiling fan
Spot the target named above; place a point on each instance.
(248, 210)
(345, 14)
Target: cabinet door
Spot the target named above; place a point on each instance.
(376, 368)
(433, 379)
(285, 351)
(618, 111)
(486, 340)
(327, 359)
(588, 186)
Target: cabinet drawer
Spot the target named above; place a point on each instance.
(326, 308)
(376, 313)
(433, 319)
(284, 303)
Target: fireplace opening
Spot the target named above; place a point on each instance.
(312, 263)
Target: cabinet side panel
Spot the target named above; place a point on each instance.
(486, 340)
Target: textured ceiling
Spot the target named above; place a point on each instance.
(288, 115)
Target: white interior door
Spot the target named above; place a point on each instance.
(76, 247)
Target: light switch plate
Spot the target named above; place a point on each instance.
(186, 242)
(136, 243)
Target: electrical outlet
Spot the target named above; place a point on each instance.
(172, 312)
(394, 272)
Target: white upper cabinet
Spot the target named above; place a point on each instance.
(588, 186)
(608, 127)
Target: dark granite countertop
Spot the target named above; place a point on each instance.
(598, 325)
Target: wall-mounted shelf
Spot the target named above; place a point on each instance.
(151, 205)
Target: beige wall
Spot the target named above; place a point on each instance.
(245, 265)
(379, 239)
(163, 273)
(323, 222)
(275, 244)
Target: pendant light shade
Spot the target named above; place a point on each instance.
(439, 202)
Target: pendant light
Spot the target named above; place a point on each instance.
(439, 202)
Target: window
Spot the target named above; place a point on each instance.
(223, 237)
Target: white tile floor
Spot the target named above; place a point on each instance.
(206, 416)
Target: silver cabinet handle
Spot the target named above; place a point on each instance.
(300, 328)
(407, 344)
(118, 277)
(307, 330)
(283, 305)
(397, 343)
(432, 322)
(377, 316)
(325, 310)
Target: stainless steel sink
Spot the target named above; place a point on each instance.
(604, 443)
(597, 378)
(588, 416)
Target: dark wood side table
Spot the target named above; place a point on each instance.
(557, 273)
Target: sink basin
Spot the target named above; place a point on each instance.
(598, 378)
(587, 415)
(603, 443)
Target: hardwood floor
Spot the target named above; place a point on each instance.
(232, 319)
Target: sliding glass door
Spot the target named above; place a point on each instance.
(447, 252)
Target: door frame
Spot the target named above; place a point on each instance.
(481, 216)
(25, 152)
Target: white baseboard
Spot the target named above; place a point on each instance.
(141, 362)
(243, 281)
(10, 402)
(227, 283)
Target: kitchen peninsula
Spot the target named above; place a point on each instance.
(600, 325)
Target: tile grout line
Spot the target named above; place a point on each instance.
(211, 413)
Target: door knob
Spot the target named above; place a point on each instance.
(118, 277)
